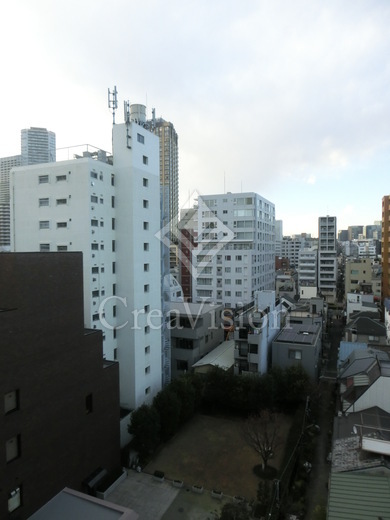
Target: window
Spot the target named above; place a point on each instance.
(147, 390)
(181, 364)
(101, 223)
(147, 329)
(113, 267)
(101, 246)
(114, 289)
(115, 349)
(14, 499)
(11, 401)
(113, 246)
(95, 317)
(112, 179)
(238, 257)
(145, 203)
(145, 182)
(147, 350)
(94, 247)
(94, 199)
(228, 293)
(61, 202)
(238, 282)
(140, 138)
(43, 202)
(146, 246)
(12, 448)
(114, 311)
(94, 222)
(147, 370)
(43, 179)
(146, 309)
(101, 200)
(238, 269)
(44, 247)
(228, 258)
(60, 178)
(94, 175)
(228, 269)
(145, 159)
(113, 224)
(95, 270)
(62, 225)
(44, 224)
(88, 403)
(146, 287)
(62, 248)
(295, 354)
(238, 294)
(146, 268)
(146, 226)
(95, 293)
(228, 281)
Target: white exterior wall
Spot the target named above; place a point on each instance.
(138, 271)
(123, 282)
(376, 395)
(78, 235)
(327, 257)
(241, 258)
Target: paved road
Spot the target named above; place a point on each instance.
(317, 493)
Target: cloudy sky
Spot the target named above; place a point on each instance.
(290, 99)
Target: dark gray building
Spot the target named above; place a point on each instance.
(298, 344)
(59, 416)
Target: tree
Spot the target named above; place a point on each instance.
(261, 432)
(145, 428)
(231, 511)
(168, 406)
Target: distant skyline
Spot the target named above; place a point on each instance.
(287, 99)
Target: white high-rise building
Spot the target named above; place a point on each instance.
(108, 208)
(235, 253)
(307, 273)
(327, 257)
(38, 145)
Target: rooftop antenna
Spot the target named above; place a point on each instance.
(113, 102)
(126, 109)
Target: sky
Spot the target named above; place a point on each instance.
(289, 99)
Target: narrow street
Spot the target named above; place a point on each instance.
(317, 491)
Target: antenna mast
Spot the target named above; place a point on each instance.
(113, 102)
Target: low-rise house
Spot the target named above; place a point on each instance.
(196, 329)
(298, 344)
(222, 357)
(254, 331)
(365, 381)
(366, 328)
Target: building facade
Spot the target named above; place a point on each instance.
(327, 258)
(108, 208)
(235, 253)
(307, 272)
(385, 247)
(169, 172)
(38, 146)
(60, 399)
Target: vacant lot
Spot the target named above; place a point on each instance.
(210, 451)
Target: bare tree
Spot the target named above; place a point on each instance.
(261, 432)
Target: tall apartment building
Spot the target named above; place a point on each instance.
(307, 273)
(187, 233)
(38, 145)
(278, 238)
(169, 172)
(109, 210)
(327, 257)
(235, 253)
(291, 246)
(385, 247)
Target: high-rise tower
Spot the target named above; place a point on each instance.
(327, 257)
(38, 146)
